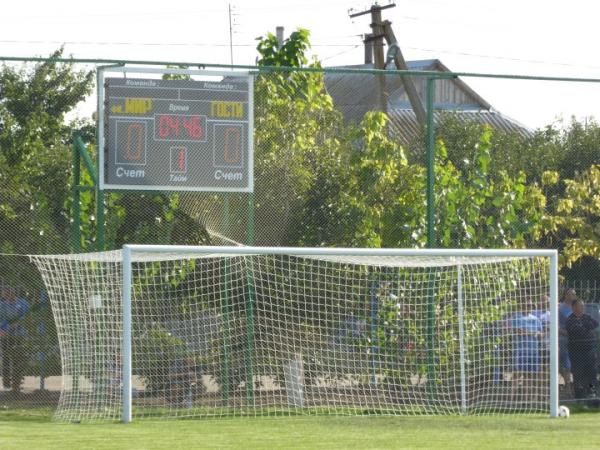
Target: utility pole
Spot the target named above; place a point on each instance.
(377, 36)
(279, 33)
(368, 41)
(395, 53)
(380, 30)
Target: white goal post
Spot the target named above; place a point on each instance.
(185, 331)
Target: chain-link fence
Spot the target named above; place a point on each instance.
(340, 159)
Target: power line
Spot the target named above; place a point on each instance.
(179, 12)
(151, 44)
(341, 53)
(148, 44)
(504, 58)
(332, 45)
(122, 14)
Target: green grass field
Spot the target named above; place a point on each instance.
(32, 433)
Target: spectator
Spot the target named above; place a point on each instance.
(564, 311)
(12, 334)
(582, 350)
(527, 363)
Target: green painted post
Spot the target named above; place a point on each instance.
(431, 372)
(80, 152)
(226, 333)
(76, 209)
(250, 305)
(250, 220)
(249, 332)
(100, 227)
(226, 302)
(372, 287)
(431, 237)
(87, 159)
(226, 213)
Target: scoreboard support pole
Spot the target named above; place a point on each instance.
(100, 225)
(80, 153)
(431, 236)
(250, 220)
(76, 201)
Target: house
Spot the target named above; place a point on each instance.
(354, 94)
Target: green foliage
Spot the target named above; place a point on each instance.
(510, 152)
(34, 105)
(295, 134)
(576, 218)
(35, 153)
(335, 185)
(155, 371)
(291, 53)
(150, 219)
(176, 76)
(377, 207)
(578, 143)
(40, 343)
(478, 209)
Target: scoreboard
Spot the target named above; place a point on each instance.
(177, 134)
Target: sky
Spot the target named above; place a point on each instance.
(525, 37)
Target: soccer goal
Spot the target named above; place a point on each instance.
(179, 331)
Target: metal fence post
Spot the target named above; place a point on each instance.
(76, 208)
(430, 146)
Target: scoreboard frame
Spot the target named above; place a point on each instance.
(103, 132)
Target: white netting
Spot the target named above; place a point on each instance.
(265, 334)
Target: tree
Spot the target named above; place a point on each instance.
(576, 219)
(35, 168)
(35, 153)
(567, 148)
(295, 130)
(479, 209)
(377, 201)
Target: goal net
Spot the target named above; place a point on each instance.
(160, 331)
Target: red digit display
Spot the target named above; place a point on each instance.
(135, 142)
(181, 161)
(193, 126)
(232, 144)
(179, 127)
(168, 126)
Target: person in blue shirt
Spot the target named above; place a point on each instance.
(12, 333)
(528, 333)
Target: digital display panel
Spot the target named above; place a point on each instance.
(177, 134)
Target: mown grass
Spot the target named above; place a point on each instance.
(27, 432)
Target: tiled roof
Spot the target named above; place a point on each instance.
(404, 126)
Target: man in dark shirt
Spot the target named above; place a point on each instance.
(582, 350)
